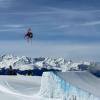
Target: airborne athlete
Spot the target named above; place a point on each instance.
(29, 35)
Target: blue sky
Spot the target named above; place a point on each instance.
(63, 28)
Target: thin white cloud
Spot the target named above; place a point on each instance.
(78, 24)
(5, 3)
(47, 11)
(91, 23)
(62, 26)
(10, 29)
(13, 25)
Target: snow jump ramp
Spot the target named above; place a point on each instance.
(70, 85)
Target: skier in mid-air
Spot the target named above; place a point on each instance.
(29, 35)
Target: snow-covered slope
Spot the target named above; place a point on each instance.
(70, 86)
(27, 63)
(19, 88)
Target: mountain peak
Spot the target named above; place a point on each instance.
(40, 62)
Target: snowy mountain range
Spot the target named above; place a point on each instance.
(26, 63)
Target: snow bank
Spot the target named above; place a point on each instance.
(52, 86)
